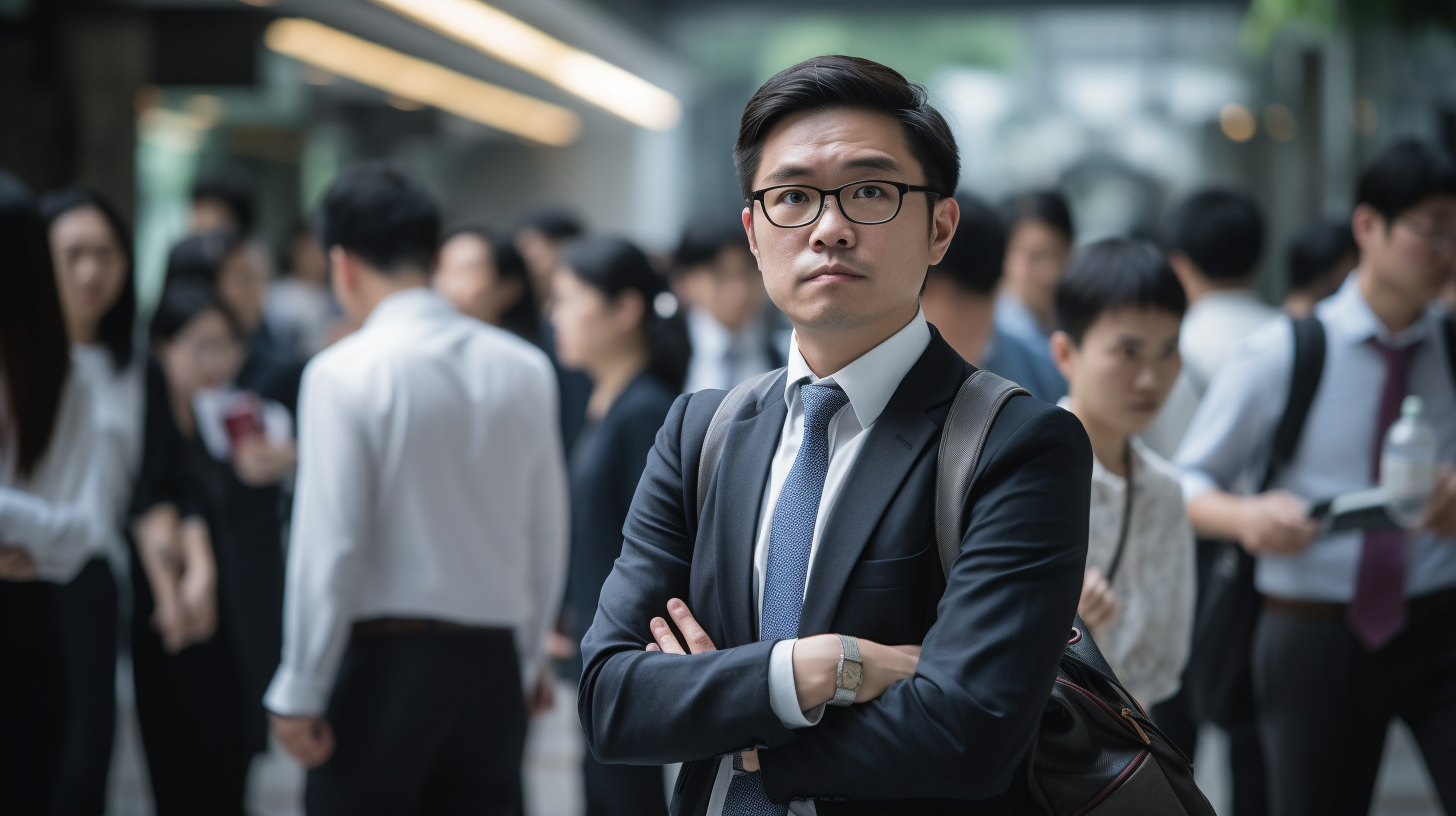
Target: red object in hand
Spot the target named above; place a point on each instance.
(244, 419)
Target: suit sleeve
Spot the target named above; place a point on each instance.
(642, 707)
(960, 726)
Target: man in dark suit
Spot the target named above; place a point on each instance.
(812, 576)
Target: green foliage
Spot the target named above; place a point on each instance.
(1266, 18)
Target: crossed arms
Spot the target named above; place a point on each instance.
(956, 728)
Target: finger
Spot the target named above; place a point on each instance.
(662, 633)
(653, 647)
(698, 640)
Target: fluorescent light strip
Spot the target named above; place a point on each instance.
(513, 42)
(421, 81)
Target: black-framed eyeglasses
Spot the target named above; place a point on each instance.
(872, 201)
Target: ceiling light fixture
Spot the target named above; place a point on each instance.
(508, 39)
(424, 82)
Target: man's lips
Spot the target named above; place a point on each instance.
(833, 272)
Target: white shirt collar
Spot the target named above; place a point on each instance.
(405, 304)
(1347, 314)
(870, 380)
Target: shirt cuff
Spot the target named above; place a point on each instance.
(293, 695)
(783, 695)
(1195, 484)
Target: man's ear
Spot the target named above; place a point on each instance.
(752, 239)
(947, 215)
(1368, 226)
(1185, 270)
(1062, 349)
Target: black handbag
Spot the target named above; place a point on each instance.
(1096, 752)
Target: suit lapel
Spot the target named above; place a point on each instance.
(895, 442)
(742, 474)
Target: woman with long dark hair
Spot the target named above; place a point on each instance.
(51, 516)
(614, 319)
(91, 249)
(483, 275)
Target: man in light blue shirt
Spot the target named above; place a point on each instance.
(1357, 627)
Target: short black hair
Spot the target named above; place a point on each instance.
(1049, 207)
(522, 318)
(976, 255)
(118, 326)
(200, 257)
(556, 223)
(181, 303)
(1316, 248)
(704, 238)
(1112, 274)
(1403, 175)
(233, 189)
(825, 83)
(1221, 231)
(382, 215)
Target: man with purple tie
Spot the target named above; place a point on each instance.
(1357, 628)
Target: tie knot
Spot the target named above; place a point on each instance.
(821, 402)
(1395, 356)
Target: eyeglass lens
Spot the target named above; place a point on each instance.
(867, 202)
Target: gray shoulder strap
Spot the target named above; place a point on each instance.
(976, 405)
(750, 390)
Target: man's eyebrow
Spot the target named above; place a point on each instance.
(789, 172)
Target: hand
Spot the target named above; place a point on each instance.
(309, 740)
(1098, 605)
(542, 698)
(1275, 523)
(197, 587)
(816, 668)
(559, 646)
(16, 564)
(260, 463)
(666, 641)
(1440, 514)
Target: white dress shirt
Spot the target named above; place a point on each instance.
(1231, 435)
(869, 382)
(723, 358)
(1147, 643)
(430, 485)
(59, 513)
(1211, 331)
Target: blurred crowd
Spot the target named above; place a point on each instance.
(148, 460)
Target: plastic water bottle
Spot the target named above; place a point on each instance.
(1408, 463)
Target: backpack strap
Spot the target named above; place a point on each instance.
(1449, 325)
(750, 390)
(1309, 366)
(976, 406)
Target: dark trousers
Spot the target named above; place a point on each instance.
(623, 790)
(1325, 703)
(32, 698)
(193, 731)
(430, 722)
(86, 615)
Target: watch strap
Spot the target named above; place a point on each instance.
(848, 651)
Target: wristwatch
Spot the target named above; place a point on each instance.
(851, 672)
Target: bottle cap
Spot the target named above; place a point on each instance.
(1413, 406)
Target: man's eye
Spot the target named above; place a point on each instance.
(869, 192)
(794, 197)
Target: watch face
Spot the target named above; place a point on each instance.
(851, 675)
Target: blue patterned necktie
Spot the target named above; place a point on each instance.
(790, 539)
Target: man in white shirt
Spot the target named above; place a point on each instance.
(716, 274)
(814, 557)
(1215, 240)
(429, 531)
(1356, 627)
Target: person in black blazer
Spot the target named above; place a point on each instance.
(847, 172)
(606, 324)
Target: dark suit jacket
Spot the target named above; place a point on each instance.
(991, 639)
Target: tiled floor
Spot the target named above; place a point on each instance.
(554, 752)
